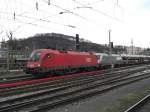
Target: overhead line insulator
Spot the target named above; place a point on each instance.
(14, 15)
(49, 2)
(37, 7)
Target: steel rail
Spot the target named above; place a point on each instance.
(94, 85)
(81, 95)
(11, 78)
(54, 83)
(139, 104)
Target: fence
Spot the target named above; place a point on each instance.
(13, 60)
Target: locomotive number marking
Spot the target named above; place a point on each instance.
(88, 60)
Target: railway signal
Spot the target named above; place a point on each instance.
(77, 42)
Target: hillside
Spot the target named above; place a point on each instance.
(59, 41)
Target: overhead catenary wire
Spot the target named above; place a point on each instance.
(15, 15)
(33, 23)
(43, 11)
(96, 10)
(76, 14)
(38, 19)
(91, 3)
(34, 7)
(48, 18)
(71, 12)
(64, 10)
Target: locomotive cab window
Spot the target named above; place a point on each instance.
(35, 56)
(98, 56)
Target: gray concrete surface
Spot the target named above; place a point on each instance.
(12, 73)
(108, 102)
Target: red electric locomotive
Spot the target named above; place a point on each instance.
(47, 61)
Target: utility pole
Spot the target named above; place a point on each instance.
(9, 48)
(110, 50)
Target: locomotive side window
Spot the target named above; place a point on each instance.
(35, 56)
(47, 56)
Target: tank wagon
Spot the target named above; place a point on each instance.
(48, 61)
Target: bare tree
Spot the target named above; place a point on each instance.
(12, 42)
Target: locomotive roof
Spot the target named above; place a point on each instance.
(124, 55)
(62, 51)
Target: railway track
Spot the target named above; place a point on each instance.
(64, 92)
(15, 79)
(26, 87)
(25, 77)
(141, 106)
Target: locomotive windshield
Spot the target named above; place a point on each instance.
(35, 56)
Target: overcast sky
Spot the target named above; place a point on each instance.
(91, 19)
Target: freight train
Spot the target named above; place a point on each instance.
(48, 62)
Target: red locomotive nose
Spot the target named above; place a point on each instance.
(34, 60)
(33, 64)
(35, 56)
